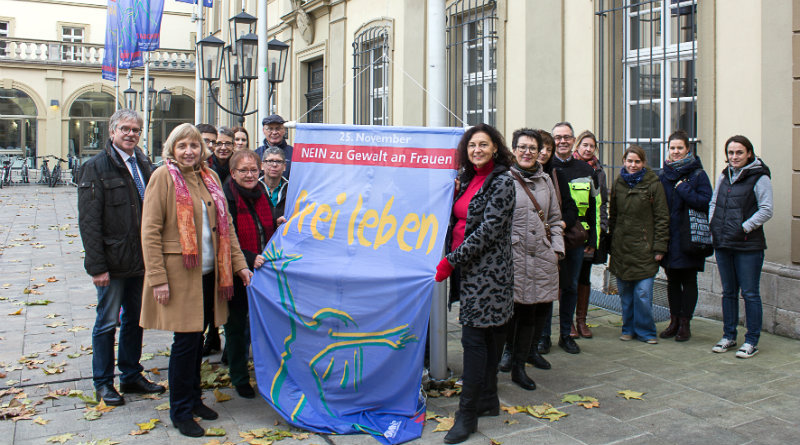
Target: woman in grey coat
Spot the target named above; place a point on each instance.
(537, 244)
(480, 260)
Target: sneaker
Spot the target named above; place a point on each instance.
(651, 341)
(746, 351)
(626, 337)
(723, 345)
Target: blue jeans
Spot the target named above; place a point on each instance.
(637, 308)
(741, 270)
(127, 294)
(568, 284)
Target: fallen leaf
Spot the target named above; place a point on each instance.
(430, 415)
(494, 442)
(91, 414)
(103, 408)
(511, 421)
(589, 405)
(37, 302)
(628, 394)
(155, 371)
(17, 312)
(572, 398)
(77, 328)
(149, 425)
(61, 439)
(52, 279)
(591, 325)
(74, 355)
(137, 432)
(52, 315)
(146, 356)
(445, 423)
(512, 409)
(151, 396)
(221, 396)
(545, 411)
(163, 407)
(58, 347)
(40, 421)
(56, 324)
(215, 432)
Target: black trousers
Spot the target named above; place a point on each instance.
(482, 350)
(184, 365)
(526, 326)
(682, 291)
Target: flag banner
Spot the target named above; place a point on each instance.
(130, 56)
(110, 52)
(339, 310)
(206, 3)
(148, 24)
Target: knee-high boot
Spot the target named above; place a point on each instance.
(522, 346)
(581, 310)
(508, 350)
(534, 357)
(466, 421)
(489, 403)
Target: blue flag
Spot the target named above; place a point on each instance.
(206, 3)
(130, 55)
(148, 24)
(339, 310)
(110, 51)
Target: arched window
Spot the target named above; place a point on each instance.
(371, 72)
(181, 110)
(17, 124)
(88, 124)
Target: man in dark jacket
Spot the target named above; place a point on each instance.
(110, 193)
(275, 136)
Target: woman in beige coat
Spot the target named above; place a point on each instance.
(537, 244)
(190, 251)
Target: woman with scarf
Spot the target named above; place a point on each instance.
(686, 185)
(479, 258)
(190, 254)
(254, 221)
(639, 223)
(537, 245)
(585, 149)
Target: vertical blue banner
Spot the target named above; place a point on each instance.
(130, 56)
(110, 52)
(206, 3)
(339, 311)
(148, 24)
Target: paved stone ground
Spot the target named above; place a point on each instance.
(691, 395)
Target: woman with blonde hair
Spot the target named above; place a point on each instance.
(190, 254)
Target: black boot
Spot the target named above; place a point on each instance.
(540, 318)
(522, 346)
(684, 332)
(519, 376)
(212, 341)
(505, 361)
(672, 329)
(466, 421)
(544, 345)
(536, 359)
(489, 404)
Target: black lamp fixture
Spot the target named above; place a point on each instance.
(240, 60)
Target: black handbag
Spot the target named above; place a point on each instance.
(696, 231)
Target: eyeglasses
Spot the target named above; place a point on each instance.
(130, 130)
(224, 144)
(563, 138)
(210, 142)
(247, 172)
(527, 148)
(274, 162)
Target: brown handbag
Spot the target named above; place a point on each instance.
(539, 210)
(576, 235)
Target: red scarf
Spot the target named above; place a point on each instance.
(594, 162)
(246, 228)
(188, 233)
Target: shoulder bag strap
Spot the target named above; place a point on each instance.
(533, 200)
(558, 189)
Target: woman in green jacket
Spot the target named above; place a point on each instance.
(639, 226)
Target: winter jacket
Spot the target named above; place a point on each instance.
(694, 192)
(569, 211)
(483, 261)
(164, 260)
(741, 204)
(222, 171)
(580, 177)
(110, 214)
(287, 150)
(278, 207)
(639, 223)
(535, 257)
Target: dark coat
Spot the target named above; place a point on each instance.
(694, 192)
(223, 171)
(569, 211)
(287, 150)
(736, 202)
(639, 223)
(110, 214)
(483, 262)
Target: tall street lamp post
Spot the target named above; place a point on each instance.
(163, 99)
(238, 60)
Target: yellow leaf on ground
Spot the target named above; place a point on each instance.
(17, 312)
(52, 280)
(40, 421)
(60, 439)
(138, 432)
(628, 394)
(511, 422)
(149, 425)
(221, 396)
(430, 415)
(589, 405)
(155, 371)
(102, 407)
(163, 407)
(494, 442)
(215, 432)
(512, 409)
(572, 398)
(445, 423)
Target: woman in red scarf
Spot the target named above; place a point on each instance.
(190, 255)
(253, 218)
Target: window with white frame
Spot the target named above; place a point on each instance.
(472, 61)
(371, 72)
(71, 34)
(660, 84)
(4, 32)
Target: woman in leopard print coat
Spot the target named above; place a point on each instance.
(480, 260)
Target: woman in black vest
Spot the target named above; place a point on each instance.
(741, 204)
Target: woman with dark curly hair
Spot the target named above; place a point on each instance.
(480, 260)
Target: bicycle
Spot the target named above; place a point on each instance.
(5, 180)
(76, 171)
(55, 176)
(44, 176)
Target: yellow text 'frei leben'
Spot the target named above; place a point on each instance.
(324, 220)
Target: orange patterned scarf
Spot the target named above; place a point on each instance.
(188, 232)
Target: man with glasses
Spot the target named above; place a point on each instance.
(274, 164)
(110, 193)
(222, 151)
(275, 136)
(579, 175)
(209, 134)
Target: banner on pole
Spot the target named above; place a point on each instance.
(110, 52)
(130, 56)
(339, 311)
(206, 3)
(148, 24)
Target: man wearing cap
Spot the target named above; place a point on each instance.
(275, 136)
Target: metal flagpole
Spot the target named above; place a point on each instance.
(198, 84)
(116, 76)
(146, 105)
(437, 117)
(263, 75)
